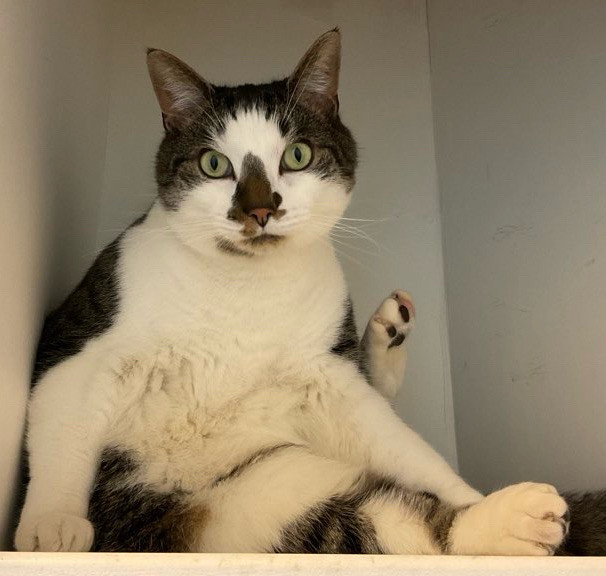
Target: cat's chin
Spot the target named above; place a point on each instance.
(250, 246)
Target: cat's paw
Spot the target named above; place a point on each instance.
(392, 322)
(525, 519)
(54, 532)
(383, 342)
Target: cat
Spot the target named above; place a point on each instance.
(203, 388)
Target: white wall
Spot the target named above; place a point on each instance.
(519, 92)
(385, 99)
(53, 98)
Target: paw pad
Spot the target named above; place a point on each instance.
(394, 319)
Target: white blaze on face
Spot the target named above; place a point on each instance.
(311, 204)
(252, 133)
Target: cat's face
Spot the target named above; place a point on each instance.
(246, 169)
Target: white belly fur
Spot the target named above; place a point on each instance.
(210, 376)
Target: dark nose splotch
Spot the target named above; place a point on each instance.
(254, 203)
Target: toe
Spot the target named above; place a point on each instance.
(48, 537)
(544, 532)
(397, 341)
(25, 540)
(543, 506)
(405, 304)
(404, 312)
(515, 547)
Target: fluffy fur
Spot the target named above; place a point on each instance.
(203, 389)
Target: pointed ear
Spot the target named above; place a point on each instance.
(181, 93)
(315, 81)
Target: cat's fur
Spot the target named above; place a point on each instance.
(202, 389)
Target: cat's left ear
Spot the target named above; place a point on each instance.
(181, 92)
(315, 81)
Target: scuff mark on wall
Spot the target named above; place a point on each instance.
(497, 303)
(507, 231)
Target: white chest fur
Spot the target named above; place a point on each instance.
(283, 300)
(217, 354)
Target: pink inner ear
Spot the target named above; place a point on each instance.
(164, 101)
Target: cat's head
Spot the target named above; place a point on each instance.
(247, 168)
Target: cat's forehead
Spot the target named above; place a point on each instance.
(252, 131)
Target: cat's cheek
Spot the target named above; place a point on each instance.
(202, 216)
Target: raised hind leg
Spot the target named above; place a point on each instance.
(384, 343)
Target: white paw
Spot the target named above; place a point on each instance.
(525, 519)
(392, 322)
(54, 532)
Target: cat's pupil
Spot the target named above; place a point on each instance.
(214, 162)
(298, 154)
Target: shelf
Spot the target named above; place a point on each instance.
(30, 564)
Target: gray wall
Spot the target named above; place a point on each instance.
(519, 92)
(385, 99)
(53, 98)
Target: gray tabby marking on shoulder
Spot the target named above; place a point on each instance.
(86, 313)
(347, 344)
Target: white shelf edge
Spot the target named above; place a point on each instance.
(65, 564)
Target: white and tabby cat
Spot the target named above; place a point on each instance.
(202, 389)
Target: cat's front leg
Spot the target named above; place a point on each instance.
(384, 343)
(69, 413)
(353, 422)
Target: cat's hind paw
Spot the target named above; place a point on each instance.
(384, 345)
(392, 322)
(525, 519)
(54, 532)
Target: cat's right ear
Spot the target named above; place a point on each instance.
(181, 92)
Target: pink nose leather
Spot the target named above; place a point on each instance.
(261, 215)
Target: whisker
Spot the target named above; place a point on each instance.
(343, 254)
(344, 230)
(341, 242)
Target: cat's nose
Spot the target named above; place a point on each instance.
(261, 215)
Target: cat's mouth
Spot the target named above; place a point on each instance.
(263, 239)
(248, 246)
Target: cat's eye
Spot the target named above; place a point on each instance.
(296, 156)
(215, 164)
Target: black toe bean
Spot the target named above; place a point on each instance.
(397, 340)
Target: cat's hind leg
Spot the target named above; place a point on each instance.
(384, 343)
(525, 519)
(293, 501)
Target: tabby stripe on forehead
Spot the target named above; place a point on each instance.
(262, 454)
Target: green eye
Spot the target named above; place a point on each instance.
(296, 156)
(215, 164)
